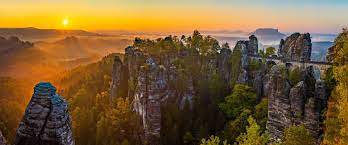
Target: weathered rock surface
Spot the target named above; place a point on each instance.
(253, 45)
(300, 104)
(279, 115)
(296, 47)
(119, 83)
(154, 80)
(152, 88)
(2, 139)
(224, 65)
(46, 120)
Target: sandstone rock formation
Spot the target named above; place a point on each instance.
(46, 120)
(300, 104)
(119, 79)
(2, 139)
(224, 64)
(279, 115)
(253, 45)
(246, 48)
(296, 47)
(154, 84)
(154, 80)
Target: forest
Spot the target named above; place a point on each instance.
(220, 112)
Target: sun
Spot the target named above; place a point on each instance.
(65, 22)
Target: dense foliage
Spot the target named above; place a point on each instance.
(219, 112)
(337, 114)
(14, 95)
(253, 135)
(297, 135)
(97, 120)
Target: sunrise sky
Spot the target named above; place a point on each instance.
(325, 16)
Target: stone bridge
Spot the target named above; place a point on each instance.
(320, 67)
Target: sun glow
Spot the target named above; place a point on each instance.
(65, 22)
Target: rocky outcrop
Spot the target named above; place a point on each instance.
(279, 115)
(300, 104)
(155, 80)
(119, 83)
(253, 46)
(296, 47)
(224, 65)
(2, 139)
(46, 120)
(247, 49)
(152, 88)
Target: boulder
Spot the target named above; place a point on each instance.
(46, 120)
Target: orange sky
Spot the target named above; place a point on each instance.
(180, 15)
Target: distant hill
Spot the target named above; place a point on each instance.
(268, 35)
(39, 60)
(13, 43)
(31, 33)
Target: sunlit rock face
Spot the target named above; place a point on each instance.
(2, 139)
(296, 47)
(46, 120)
(298, 104)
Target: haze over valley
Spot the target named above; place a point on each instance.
(164, 72)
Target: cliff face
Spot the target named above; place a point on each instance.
(2, 139)
(299, 104)
(247, 48)
(153, 80)
(296, 47)
(46, 120)
(119, 81)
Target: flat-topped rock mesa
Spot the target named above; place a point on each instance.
(296, 47)
(46, 120)
(2, 139)
(268, 35)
